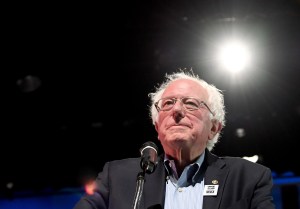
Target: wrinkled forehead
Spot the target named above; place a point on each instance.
(185, 87)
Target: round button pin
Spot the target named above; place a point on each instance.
(215, 181)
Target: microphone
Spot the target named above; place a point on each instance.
(148, 157)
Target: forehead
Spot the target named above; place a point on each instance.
(185, 87)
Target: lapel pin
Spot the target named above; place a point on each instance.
(214, 182)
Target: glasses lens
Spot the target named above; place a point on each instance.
(191, 103)
(166, 104)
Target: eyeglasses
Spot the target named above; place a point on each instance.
(189, 103)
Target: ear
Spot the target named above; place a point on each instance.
(215, 128)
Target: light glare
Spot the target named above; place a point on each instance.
(234, 56)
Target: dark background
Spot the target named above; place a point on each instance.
(76, 78)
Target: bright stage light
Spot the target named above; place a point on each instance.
(234, 56)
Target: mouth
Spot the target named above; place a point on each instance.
(179, 125)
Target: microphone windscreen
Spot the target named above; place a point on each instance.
(149, 152)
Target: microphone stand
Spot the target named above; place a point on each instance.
(148, 164)
(139, 189)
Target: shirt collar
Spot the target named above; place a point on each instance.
(191, 173)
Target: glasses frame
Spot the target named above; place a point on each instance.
(174, 99)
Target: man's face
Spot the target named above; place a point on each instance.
(181, 129)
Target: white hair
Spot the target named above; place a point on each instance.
(215, 99)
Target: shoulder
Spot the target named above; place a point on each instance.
(123, 162)
(118, 167)
(127, 165)
(237, 163)
(234, 163)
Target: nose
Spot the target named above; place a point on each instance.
(178, 111)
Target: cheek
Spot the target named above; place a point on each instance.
(161, 118)
(201, 126)
(162, 123)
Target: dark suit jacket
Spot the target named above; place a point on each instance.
(242, 185)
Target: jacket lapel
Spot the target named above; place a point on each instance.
(216, 174)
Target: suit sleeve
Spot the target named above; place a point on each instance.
(99, 199)
(262, 197)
